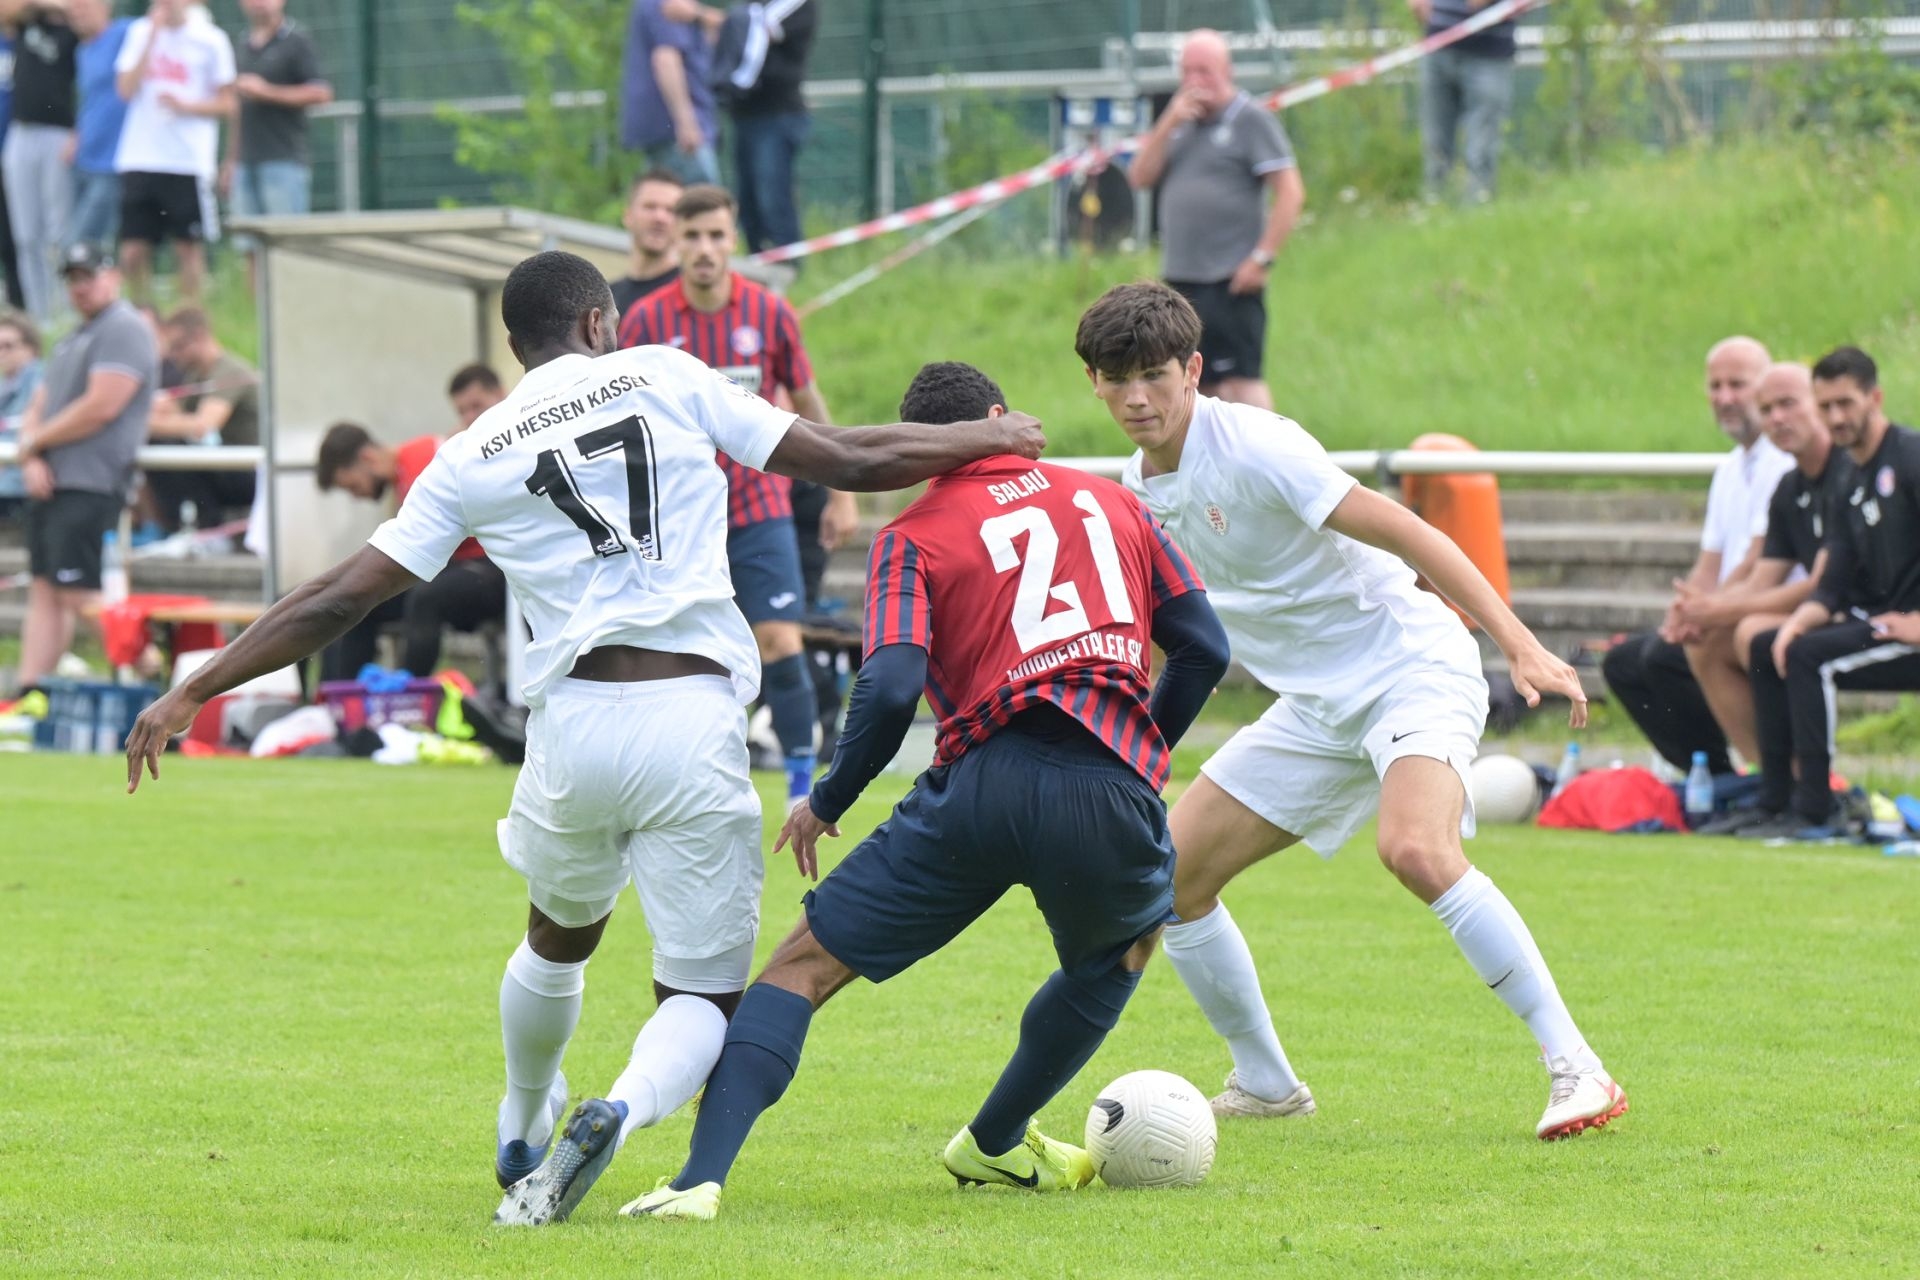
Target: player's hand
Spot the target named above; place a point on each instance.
(687, 135)
(839, 520)
(1248, 277)
(1903, 627)
(1534, 671)
(38, 477)
(1019, 433)
(804, 829)
(151, 732)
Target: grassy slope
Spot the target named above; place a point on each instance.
(1573, 316)
(249, 1029)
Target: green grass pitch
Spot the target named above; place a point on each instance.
(248, 1028)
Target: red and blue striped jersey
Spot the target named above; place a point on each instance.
(1026, 583)
(755, 340)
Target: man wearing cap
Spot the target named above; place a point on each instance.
(77, 446)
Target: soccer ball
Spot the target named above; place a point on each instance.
(1151, 1129)
(1504, 789)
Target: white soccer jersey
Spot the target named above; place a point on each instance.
(594, 487)
(1327, 622)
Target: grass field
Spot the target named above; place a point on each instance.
(1574, 315)
(249, 1028)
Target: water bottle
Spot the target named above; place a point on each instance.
(1699, 792)
(113, 569)
(1569, 769)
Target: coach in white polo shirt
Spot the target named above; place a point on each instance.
(176, 73)
(1649, 672)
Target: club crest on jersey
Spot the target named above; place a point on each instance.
(1216, 519)
(747, 342)
(1884, 482)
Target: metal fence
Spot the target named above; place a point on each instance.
(968, 84)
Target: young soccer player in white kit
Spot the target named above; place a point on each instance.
(593, 487)
(1381, 698)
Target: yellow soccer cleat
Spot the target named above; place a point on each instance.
(700, 1204)
(1037, 1164)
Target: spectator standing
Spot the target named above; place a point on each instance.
(1465, 89)
(474, 389)
(1649, 673)
(763, 95)
(19, 379)
(176, 75)
(1217, 156)
(9, 261)
(39, 145)
(77, 447)
(269, 165)
(666, 103)
(96, 187)
(654, 259)
(219, 404)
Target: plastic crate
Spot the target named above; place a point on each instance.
(90, 718)
(354, 706)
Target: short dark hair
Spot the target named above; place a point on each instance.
(473, 375)
(658, 173)
(702, 198)
(1848, 362)
(547, 294)
(189, 320)
(1137, 326)
(339, 449)
(949, 391)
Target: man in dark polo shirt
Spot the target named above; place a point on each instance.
(77, 447)
(1465, 89)
(269, 168)
(770, 116)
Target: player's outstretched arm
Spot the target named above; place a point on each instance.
(875, 459)
(880, 711)
(1189, 633)
(1379, 521)
(306, 620)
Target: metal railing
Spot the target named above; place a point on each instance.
(189, 457)
(1387, 465)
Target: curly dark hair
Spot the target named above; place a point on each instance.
(949, 391)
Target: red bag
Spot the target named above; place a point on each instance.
(1614, 800)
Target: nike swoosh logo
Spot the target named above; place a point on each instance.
(1495, 986)
(1408, 734)
(1030, 1181)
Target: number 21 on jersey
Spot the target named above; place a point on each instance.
(1033, 626)
(553, 480)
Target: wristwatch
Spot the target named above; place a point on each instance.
(1262, 257)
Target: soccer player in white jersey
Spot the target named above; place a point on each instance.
(1381, 698)
(592, 486)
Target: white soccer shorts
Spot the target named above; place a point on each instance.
(646, 784)
(1321, 781)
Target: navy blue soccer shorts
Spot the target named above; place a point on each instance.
(764, 559)
(1060, 814)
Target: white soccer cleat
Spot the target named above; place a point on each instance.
(1237, 1103)
(1582, 1098)
(700, 1203)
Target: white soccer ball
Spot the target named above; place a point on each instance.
(1505, 789)
(1151, 1129)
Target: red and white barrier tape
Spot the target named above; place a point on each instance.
(906, 252)
(1065, 163)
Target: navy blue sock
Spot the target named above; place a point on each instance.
(788, 690)
(757, 1061)
(1064, 1023)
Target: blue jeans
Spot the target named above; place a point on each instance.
(270, 189)
(96, 209)
(690, 166)
(1463, 93)
(764, 148)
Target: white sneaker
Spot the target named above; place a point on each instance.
(1582, 1098)
(701, 1203)
(1237, 1102)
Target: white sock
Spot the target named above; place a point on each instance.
(1211, 957)
(672, 1057)
(1495, 941)
(539, 1007)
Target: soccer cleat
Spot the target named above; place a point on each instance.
(697, 1204)
(514, 1160)
(1778, 826)
(1734, 823)
(580, 1156)
(1039, 1163)
(1582, 1098)
(1237, 1103)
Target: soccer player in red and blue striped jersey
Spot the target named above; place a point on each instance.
(1024, 598)
(749, 333)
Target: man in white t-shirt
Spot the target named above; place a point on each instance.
(1652, 674)
(592, 486)
(1381, 700)
(176, 73)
